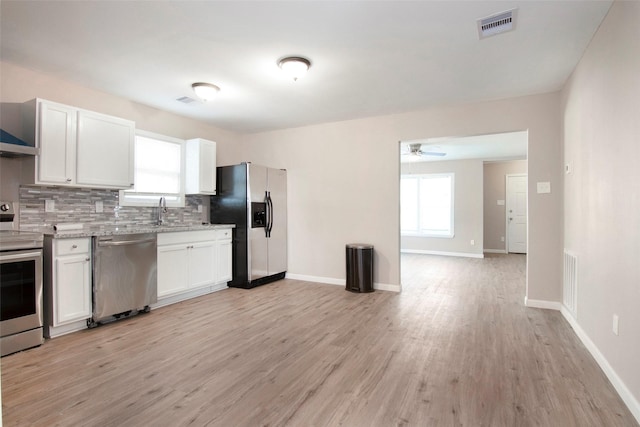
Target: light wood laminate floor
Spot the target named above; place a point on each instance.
(456, 348)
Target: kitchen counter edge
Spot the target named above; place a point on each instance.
(110, 231)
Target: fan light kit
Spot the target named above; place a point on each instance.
(294, 66)
(205, 91)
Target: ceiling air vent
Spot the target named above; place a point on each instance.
(186, 100)
(498, 23)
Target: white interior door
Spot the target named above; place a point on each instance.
(517, 213)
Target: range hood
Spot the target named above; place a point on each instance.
(11, 146)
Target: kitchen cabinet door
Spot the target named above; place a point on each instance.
(56, 138)
(201, 167)
(105, 151)
(224, 261)
(72, 288)
(173, 269)
(201, 264)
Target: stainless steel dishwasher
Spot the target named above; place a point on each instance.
(124, 275)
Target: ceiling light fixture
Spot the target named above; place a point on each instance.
(205, 91)
(294, 66)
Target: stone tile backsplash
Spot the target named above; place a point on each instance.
(78, 205)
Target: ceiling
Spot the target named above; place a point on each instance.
(494, 147)
(368, 57)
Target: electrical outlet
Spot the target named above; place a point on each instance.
(200, 208)
(473, 242)
(49, 205)
(502, 238)
(616, 321)
(99, 206)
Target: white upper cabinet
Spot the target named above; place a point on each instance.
(201, 167)
(56, 132)
(78, 148)
(104, 151)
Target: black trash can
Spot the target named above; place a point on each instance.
(359, 267)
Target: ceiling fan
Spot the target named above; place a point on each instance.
(415, 150)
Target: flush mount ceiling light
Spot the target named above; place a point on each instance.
(205, 91)
(294, 66)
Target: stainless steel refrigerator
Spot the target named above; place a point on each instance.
(254, 198)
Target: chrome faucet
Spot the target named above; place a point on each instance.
(162, 209)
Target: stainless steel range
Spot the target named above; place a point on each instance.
(20, 284)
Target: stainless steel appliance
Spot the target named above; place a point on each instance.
(254, 198)
(20, 284)
(124, 275)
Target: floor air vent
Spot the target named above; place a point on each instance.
(570, 283)
(497, 24)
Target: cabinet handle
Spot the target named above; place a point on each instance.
(68, 179)
(87, 259)
(74, 246)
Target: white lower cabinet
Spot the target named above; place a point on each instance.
(172, 269)
(224, 256)
(189, 264)
(67, 285)
(202, 264)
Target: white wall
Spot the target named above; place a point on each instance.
(601, 106)
(344, 183)
(344, 176)
(467, 209)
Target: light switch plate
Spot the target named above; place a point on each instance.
(500, 202)
(544, 187)
(49, 205)
(99, 206)
(567, 168)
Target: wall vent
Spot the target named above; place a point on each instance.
(186, 100)
(497, 24)
(570, 283)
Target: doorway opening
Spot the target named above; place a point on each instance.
(483, 168)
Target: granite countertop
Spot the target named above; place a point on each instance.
(108, 230)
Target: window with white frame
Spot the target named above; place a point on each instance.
(159, 171)
(426, 205)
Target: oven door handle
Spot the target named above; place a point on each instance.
(19, 256)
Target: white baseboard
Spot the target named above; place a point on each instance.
(172, 299)
(628, 398)
(548, 305)
(423, 252)
(386, 287)
(57, 331)
(495, 251)
(340, 282)
(316, 279)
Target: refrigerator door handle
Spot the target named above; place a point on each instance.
(270, 216)
(267, 196)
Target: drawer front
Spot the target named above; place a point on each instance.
(72, 246)
(224, 234)
(184, 237)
